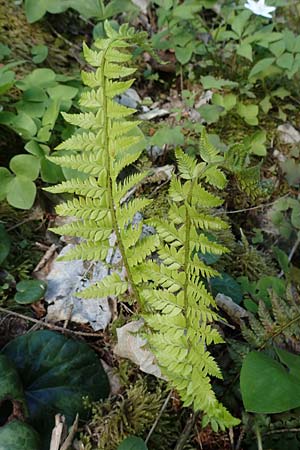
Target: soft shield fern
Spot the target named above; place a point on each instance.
(179, 308)
(171, 293)
(104, 145)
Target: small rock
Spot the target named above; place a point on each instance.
(153, 113)
(288, 134)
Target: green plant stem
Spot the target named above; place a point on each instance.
(187, 254)
(110, 182)
(258, 437)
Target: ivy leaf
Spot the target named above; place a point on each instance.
(57, 372)
(133, 443)
(29, 291)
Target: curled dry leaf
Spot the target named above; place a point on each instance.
(132, 346)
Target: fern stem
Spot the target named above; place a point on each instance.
(110, 182)
(187, 254)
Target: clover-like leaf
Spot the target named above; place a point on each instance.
(21, 192)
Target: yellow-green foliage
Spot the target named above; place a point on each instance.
(172, 297)
(179, 308)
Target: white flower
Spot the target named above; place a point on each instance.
(260, 8)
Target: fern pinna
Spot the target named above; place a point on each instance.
(171, 294)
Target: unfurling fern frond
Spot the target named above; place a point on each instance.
(171, 293)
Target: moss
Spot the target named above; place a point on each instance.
(21, 36)
(130, 414)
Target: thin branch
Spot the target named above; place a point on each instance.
(48, 325)
(187, 431)
(158, 417)
(255, 207)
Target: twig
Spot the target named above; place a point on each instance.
(240, 439)
(48, 325)
(187, 431)
(57, 432)
(158, 417)
(283, 430)
(71, 434)
(48, 255)
(291, 254)
(255, 207)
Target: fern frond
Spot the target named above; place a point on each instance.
(114, 88)
(89, 163)
(207, 151)
(85, 141)
(126, 212)
(84, 208)
(87, 251)
(176, 306)
(111, 285)
(82, 120)
(87, 229)
(120, 189)
(88, 188)
(145, 247)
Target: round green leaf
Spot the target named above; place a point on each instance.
(57, 372)
(29, 291)
(25, 165)
(42, 78)
(21, 192)
(5, 179)
(4, 243)
(17, 435)
(40, 53)
(133, 443)
(24, 125)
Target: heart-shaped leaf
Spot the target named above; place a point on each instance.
(267, 387)
(57, 372)
(30, 291)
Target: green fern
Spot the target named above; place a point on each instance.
(179, 310)
(172, 296)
